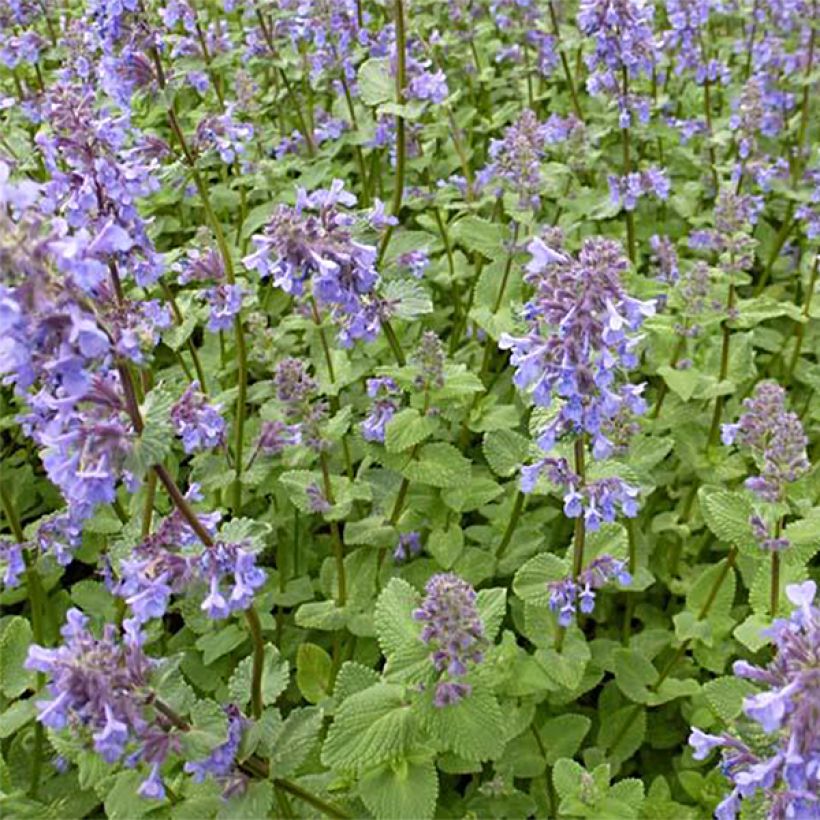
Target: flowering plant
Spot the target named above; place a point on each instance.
(409, 409)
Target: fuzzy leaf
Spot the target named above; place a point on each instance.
(370, 727)
(405, 789)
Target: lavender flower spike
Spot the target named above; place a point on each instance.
(783, 772)
(454, 631)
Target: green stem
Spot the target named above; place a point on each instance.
(626, 140)
(714, 431)
(564, 62)
(148, 509)
(515, 515)
(663, 390)
(336, 537)
(294, 789)
(227, 261)
(800, 329)
(401, 136)
(37, 605)
(580, 527)
(255, 629)
(393, 341)
(775, 589)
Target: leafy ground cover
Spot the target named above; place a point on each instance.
(409, 409)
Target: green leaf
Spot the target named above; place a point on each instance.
(275, 678)
(505, 451)
(313, 672)
(375, 83)
(14, 643)
(209, 729)
(121, 802)
(407, 429)
(634, 674)
(409, 298)
(567, 776)
(473, 728)
(720, 603)
(399, 634)
(298, 736)
(476, 234)
(214, 645)
(682, 383)
(16, 716)
(370, 727)
(725, 696)
(324, 615)
(352, 678)
(255, 801)
(622, 732)
(727, 515)
(439, 465)
(405, 789)
(750, 632)
(567, 667)
(154, 442)
(373, 531)
(492, 606)
(530, 582)
(446, 546)
(562, 736)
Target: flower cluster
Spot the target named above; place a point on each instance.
(582, 340)
(429, 360)
(298, 246)
(171, 559)
(775, 438)
(569, 595)
(409, 546)
(785, 770)
(627, 190)
(100, 684)
(454, 631)
(624, 45)
(515, 160)
(197, 422)
(384, 391)
(11, 556)
(689, 20)
(221, 763)
(296, 390)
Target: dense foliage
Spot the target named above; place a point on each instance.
(409, 409)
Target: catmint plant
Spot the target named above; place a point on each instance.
(327, 332)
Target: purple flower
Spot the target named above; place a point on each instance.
(409, 546)
(569, 595)
(298, 247)
(95, 683)
(454, 632)
(11, 555)
(225, 302)
(429, 360)
(515, 160)
(232, 576)
(221, 763)
(198, 423)
(415, 262)
(624, 44)
(581, 341)
(784, 770)
(384, 390)
(276, 436)
(775, 438)
(627, 190)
